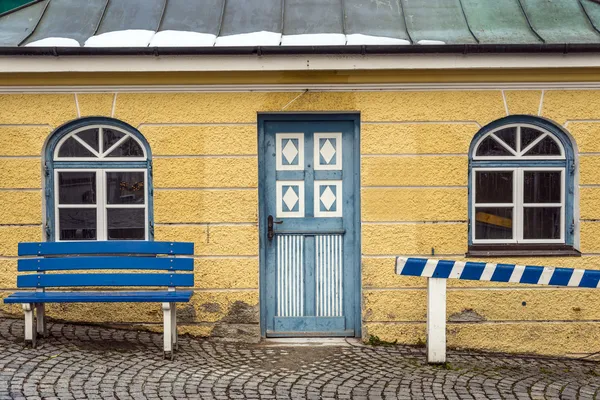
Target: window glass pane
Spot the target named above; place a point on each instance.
(493, 222)
(493, 187)
(72, 148)
(125, 187)
(528, 135)
(541, 223)
(508, 136)
(545, 147)
(541, 186)
(491, 147)
(90, 137)
(77, 223)
(76, 188)
(126, 223)
(129, 148)
(110, 137)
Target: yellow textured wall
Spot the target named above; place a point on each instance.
(414, 165)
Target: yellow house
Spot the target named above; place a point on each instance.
(303, 149)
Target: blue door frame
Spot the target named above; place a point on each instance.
(318, 240)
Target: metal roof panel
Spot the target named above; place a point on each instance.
(131, 14)
(560, 21)
(247, 16)
(592, 9)
(375, 18)
(499, 21)
(18, 24)
(69, 19)
(441, 20)
(312, 16)
(203, 16)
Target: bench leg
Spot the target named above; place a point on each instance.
(167, 329)
(40, 316)
(174, 325)
(30, 330)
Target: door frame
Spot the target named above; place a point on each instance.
(354, 117)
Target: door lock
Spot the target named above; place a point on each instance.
(270, 222)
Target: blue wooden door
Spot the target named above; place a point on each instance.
(310, 281)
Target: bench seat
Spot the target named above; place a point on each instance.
(100, 297)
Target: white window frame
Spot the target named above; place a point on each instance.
(518, 205)
(102, 154)
(101, 205)
(519, 154)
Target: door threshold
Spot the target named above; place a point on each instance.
(312, 342)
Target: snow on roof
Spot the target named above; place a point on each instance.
(314, 39)
(182, 39)
(126, 38)
(262, 38)
(54, 42)
(363, 40)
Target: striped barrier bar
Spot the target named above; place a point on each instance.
(479, 271)
(438, 271)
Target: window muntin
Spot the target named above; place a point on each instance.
(99, 142)
(518, 141)
(101, 204)
(528, 207)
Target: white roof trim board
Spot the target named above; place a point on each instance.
(430, 42)
(262, 38)
(126, 38)
(182, 39)
(54, 42)
(314, 39)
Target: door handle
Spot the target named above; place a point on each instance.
(270, 223)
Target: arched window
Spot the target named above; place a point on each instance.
(98, 182)
(521, 186)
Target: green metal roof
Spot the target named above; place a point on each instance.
(453, 22)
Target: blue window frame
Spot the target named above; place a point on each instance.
(521, 184)
(98, 177)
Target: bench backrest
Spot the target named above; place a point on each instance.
(109, 255)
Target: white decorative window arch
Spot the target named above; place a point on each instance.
(99, 173)
(519, 141)
(103, 142)
(521, 184)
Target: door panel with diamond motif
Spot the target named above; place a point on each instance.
(308, 195)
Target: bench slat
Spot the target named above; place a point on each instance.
(99, 297)
(124, 262)
(105, 247)
(66, 280)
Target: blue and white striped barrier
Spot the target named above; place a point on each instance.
(438, 271)
(479, 271)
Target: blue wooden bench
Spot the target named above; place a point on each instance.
(89, 259)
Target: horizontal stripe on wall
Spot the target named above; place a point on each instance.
(197, 206)
(414, 171)
(486, 305)
(410, 138)
(201, 140)
(240, 240)
(400, 239)
(553, 338)
(206, 172)
(20, 173)
(22, 140)
(482, 106)
(20, 207)
(412, 204)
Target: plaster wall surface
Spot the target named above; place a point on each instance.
(414, 169)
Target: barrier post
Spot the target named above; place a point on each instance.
(436, 320)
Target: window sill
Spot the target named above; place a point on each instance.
(520, 250)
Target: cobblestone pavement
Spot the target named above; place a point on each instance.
(88, 362)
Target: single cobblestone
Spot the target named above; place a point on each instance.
(88, 362)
